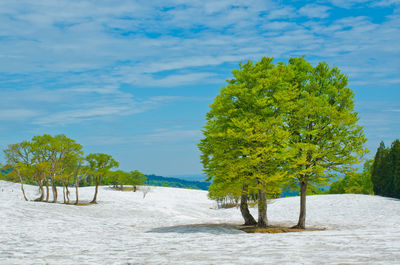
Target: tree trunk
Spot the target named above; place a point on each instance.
(47, 191)
(22, 187)
(64, 193)
(134, 188)
(54, 188)
(244, 208)
(96, 191)
(41, 198)
(262, 209)
(121, 187)
(66, 187)
(303, 195)
(77, 190)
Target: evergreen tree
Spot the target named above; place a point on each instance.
(382, 172)
(395, 166)
(376, 169)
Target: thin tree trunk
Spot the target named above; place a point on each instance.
(244, 208)
(40, 199)
(262, 209)
(64, 193)
(77, 189)
(47, 191)
(66, 187)
(54, 187)
(96, 191)
(22, 187)
(303, 195)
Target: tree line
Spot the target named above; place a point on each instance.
(50, 161)
(385, 170)
(280, 125)
(380, 175)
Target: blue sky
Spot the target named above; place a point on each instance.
(134, 78)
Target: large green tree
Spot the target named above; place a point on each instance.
(279, 123)
(325, 137)
(244, 138)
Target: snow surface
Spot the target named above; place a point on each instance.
(180, 226)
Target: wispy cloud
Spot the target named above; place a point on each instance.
(75, 104)
(314, 11)
(19, 114)
(159, 136)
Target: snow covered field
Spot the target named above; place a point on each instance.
(177, 226)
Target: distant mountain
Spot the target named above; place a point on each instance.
(154, 180)
(192, 177)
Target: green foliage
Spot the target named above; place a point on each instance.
(274, 122)
(280, 124)
(244, 137)
(358, 183)
(136, 178)
(56, 159)
(99, 165)
(120, 177)
(386, 170)
(322, 122)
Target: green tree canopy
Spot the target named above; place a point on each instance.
(279, 123)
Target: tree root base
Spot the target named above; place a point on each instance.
(276, 229)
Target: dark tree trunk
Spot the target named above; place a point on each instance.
(244, 208)
(134, 188)
(54, 187)
(303, 195)
(262, 209)
(96, 191)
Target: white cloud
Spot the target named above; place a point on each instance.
(282, 12)
(164, 136)
(19, 114)
(314, 11)
(76, 104)
(346, 3)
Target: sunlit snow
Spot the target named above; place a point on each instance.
(176, 226)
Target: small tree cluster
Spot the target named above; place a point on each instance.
(385, 173)
(278, 125)
(120, 178)
(48, 161)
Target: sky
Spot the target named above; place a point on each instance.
(135, 79)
